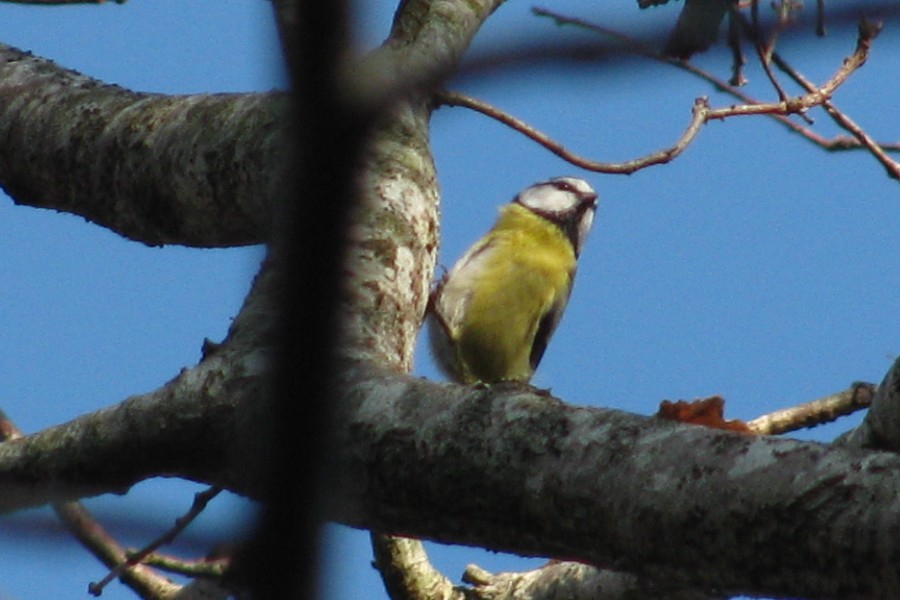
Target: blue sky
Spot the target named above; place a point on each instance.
(755, 266)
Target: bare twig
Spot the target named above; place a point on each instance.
(145, 582)
(867, 32)
(837, 143)
(201, 499)
(210, 568)
(406, 571)
(701, 109)
(817, 412)
(764, 49)
(701, 114)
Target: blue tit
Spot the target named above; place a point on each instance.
(491, 316)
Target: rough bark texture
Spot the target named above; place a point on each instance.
(407, 573)
(691, 506)
(506, 468)
(210, 423)
(394, 239)
(199, 170)
(514, 470)
(881, 427)
(571, 581)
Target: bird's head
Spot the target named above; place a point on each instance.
(568, 202)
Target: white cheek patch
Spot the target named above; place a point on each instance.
(586, 222)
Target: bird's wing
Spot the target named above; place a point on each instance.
(450, 298)
(547, 325)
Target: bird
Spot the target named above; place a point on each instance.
(491, 316)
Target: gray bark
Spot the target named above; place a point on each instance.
(512, 469)
(505, 467)
(200, 170)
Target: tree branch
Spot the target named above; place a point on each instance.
(407, 572)
(817, 412)
(145, 582)
(132, 559)
(210, 424)
(881, 428)
(861, 140)
(197, 170)
(571, 581)
(621, 168)
(511, 470)
(701, 115)
(867, 32)
(207, 568)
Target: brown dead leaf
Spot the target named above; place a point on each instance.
(708, 412)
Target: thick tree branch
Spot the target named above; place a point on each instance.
(408, 575)
(394, 239)
(571, 581)
(175, 431)
(881, 428)
(145, 582)
(199, 170)
(210, 424)
(509, 469)
(512, 470)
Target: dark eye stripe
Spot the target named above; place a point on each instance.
(565, 186)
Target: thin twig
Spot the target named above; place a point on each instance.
(817, 412)
(867, 32)
(640, 49)
(764, 49)
(210, 568)
(201, 499)
(145, 582)
(701, 114)
(837, 143)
